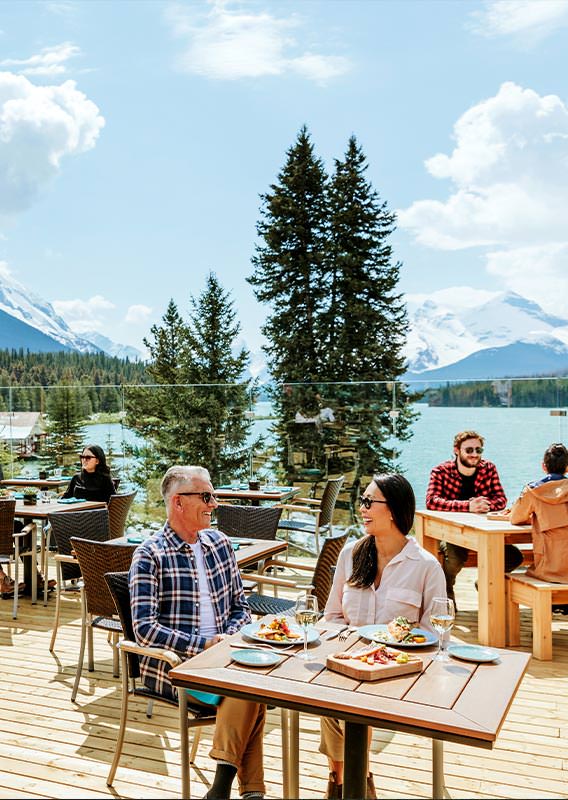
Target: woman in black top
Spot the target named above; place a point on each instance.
(94, 481)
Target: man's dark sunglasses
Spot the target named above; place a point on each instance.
(205, 496)
(470, 450)
(367, 502)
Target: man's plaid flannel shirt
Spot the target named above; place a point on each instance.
(164, 595)
(445, 487)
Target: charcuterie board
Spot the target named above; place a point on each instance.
(362, 671)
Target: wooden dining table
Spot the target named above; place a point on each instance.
(272, 494)
(456, 701)
(488, 538)
(40, 511)
(247, 551)
(36, 483)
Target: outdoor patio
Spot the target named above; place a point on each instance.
(52, 748)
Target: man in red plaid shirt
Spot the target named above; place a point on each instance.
(467, 483)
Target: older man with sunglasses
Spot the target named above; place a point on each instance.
(467, 483)
(187, 595)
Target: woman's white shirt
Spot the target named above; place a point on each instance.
(408, 584)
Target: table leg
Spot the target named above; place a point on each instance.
(438, 785)
(491, 587)
(294, 747)
(285, 725)
(355, 760)
(427, 542)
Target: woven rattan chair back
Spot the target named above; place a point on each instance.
(254, 522)
(117, 583)
(84, 524)
(118, 508)
(323, 577)
(95, 559)
(329, 499)
(7, 509)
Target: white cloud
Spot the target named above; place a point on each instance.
(5, 271)
(528, 21)
(84, 315)
(227, 44)
(39, 127)
(509, 174)
(50, 61)
(137, 313)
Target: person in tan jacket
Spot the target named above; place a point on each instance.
(544, 504)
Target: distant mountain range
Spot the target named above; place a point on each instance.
(457, 333)
(503, 336)
(28, 322)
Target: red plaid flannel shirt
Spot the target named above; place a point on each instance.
(445, 486)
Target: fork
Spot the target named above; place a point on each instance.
(344, 635)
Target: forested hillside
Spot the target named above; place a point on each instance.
(25, 377)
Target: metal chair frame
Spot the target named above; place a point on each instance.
(322, 510)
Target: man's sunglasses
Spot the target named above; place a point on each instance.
(367, 502)
(470, 450)
(205, 496)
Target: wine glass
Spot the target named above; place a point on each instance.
(306, 613)
(442, 615)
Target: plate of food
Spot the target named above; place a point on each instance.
(399, 631)
(256, 658)
(281, 630)
(473, 652)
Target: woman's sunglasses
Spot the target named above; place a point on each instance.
(368, 502)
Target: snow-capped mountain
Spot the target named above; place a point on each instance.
(112, 348)
(29, 309)
(457, 334)
(29, 322)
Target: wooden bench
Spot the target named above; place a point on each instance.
(540, 596)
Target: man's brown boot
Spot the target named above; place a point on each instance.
(371, 791)
(334, 789)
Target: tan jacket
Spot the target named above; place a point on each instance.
(546, 508)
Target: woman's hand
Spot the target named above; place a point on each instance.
(215, 640)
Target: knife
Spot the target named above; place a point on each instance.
(332, 634)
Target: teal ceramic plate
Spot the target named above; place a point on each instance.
(18, 495)
(135, 539)
(256, 658)
(235, 545)
(251, 630)
(473, 652)
(70, 500)
(379, 633)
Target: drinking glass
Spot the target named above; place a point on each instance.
(306, 613)
(442, 615)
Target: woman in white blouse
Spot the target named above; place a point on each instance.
(382, 576)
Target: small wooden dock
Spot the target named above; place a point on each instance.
(51, 748)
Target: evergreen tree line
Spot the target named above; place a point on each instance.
(529, 393)
(26, 378)
(324, 266)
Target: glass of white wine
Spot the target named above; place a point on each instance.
(306, 613)
(442, 616)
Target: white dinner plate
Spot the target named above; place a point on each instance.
(473, 652)
(379, 633)
(256, 658)
(251, 631)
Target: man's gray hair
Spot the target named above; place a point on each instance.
(180, 477)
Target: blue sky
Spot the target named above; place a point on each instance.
(136, 137)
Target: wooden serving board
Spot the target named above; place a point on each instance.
(361, 671)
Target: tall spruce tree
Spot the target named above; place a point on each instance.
(364, 325)
(65, 425)
(289, 275)
(324, 249)
(188, 416)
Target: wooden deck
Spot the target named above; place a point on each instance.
(51, 748)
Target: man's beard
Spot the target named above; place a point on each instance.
(466, 465)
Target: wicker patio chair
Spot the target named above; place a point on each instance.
(97, 605)
(63, 525)
(253, 522)
(196, 715)
(11, 545)
(118, 508)
(321, 509)
(321, 579)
